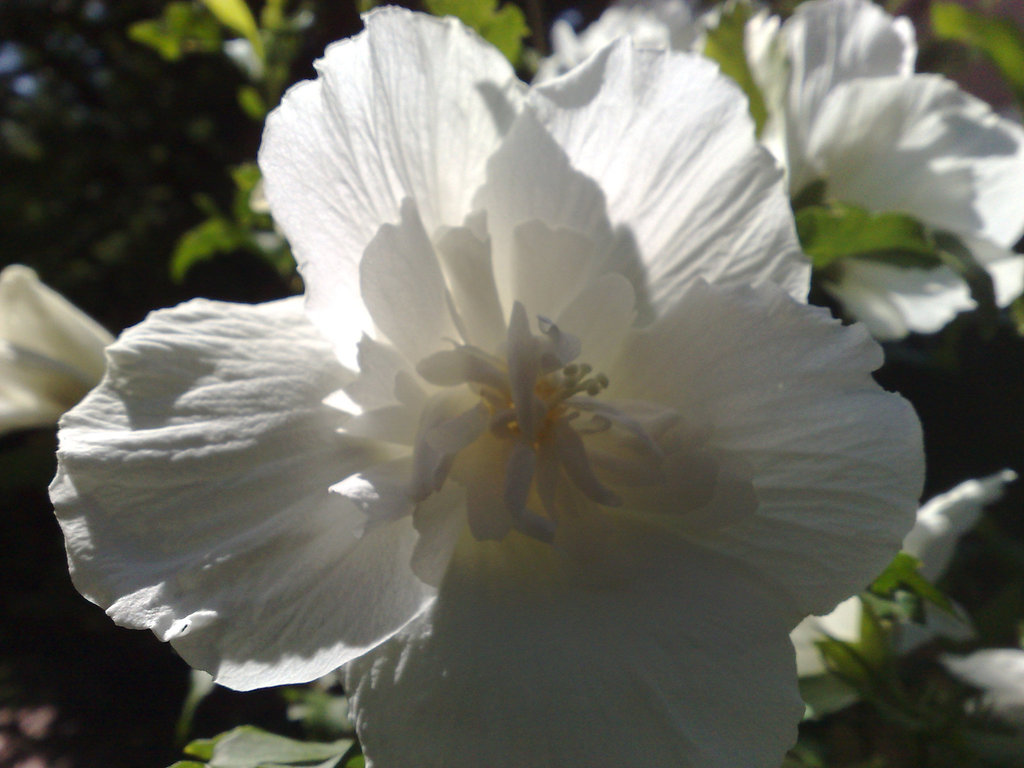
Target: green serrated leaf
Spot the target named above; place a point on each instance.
(503, 27)
(903, 573)
(724, 45)
(250, 747)
(838, 231)
(188, 764)
(999, 39)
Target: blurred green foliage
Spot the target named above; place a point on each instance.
(724, 45)
(998, 38)
(504, 27)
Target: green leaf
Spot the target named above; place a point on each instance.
(181, 29)
(903, 573)
(837, 231)
(999, 39)
(825, 694)
(874, 640)
(236, 16)
(845, 662)
(202, 242)
(1017, 314)
(200, 686)
(323, 715)
(248, 747)
(201, 748)
(724, 45)
(252, 103)
(504, 27)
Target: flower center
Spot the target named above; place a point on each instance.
(519, 450)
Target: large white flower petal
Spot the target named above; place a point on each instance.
(677, 657)
(826, 43)
(530, 181)
(193, 493)
(51, 353)
(835, 41)
(600, 316)
(922, 146)
(412, 107)
(837, 462)
(403, 287)
(894, 301)
(686, 176)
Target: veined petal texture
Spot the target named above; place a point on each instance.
(192, 488)
(401, 110)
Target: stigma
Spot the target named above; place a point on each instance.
(533, 408)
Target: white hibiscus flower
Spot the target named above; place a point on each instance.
(575, 478)
(650, 23)
(51, 353)
(851, 113)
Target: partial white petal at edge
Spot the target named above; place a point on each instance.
(192, 489)
(894, 301)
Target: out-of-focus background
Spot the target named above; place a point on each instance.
(128, 129)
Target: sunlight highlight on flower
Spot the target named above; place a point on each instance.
(552, 449)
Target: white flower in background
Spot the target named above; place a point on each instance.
(650, 23)
(582, 463)
(852, 114)
(999, 674)
(940, 524)
(51, 353)
(943, 520)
